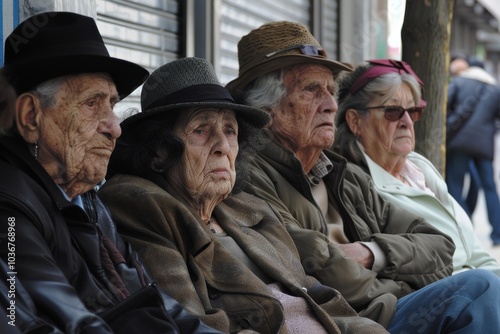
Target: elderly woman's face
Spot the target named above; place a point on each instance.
(305, 118)
(78, 132)
(384, 139)
(207, 168)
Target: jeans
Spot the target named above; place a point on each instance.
(466, 303)
(474, 187)
(457, 165)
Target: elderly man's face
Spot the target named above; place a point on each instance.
(207, 169)
(305, 117)
(78, 132)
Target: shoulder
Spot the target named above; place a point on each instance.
(131, 195)
(22, 191)
(423, 163)
(129, 185)
(357, 174)
(249, 208)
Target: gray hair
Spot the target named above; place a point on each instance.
(47, 90)
(266, 91)
(45, 93)
(380, 89)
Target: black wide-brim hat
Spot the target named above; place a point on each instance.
(54, 44)
(186, 83)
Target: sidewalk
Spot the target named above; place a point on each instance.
(482, 227)
(480, 217)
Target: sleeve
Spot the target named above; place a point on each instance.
(379, 259)
(481, 259)
(150, 235)
(18, 308)
(451, 101)
(24, 248)
(416, 252)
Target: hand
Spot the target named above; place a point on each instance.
(359, 253)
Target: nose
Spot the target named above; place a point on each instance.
(406, 118)
(221, 143)
(329, 104)
(109, 125)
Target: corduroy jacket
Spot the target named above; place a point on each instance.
(417, 253)
(188, 261)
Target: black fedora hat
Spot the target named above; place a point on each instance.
(53, 44)
(189, 82)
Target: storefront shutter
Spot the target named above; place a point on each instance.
(238, 17)
(142, 31)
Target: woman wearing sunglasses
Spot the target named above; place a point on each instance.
(378, 106)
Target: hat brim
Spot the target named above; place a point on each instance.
(256, 117)
(276, 63)
(126, 75)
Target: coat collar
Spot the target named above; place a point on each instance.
(16, 150)
(249, 227)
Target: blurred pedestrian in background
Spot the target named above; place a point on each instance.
(472, 108)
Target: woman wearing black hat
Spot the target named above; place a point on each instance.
(56, 236)
(176, 196)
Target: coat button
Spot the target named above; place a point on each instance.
(214, 294)
(304, 289)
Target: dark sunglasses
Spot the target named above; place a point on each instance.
(395, 113)
(306, 49)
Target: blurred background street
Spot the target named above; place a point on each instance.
(480, 217)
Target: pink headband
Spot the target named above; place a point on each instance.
(383, 66)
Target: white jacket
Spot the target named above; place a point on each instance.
(441, 210)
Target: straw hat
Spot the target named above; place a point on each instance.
(190, 82)
(54, 44)
(276, 45)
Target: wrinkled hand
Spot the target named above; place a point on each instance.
(359, 253)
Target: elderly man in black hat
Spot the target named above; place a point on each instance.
(348, 236)
(56, 236)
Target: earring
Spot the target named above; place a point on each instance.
(36, 149)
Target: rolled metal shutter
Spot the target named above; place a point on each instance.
(329, 28)
(238, 17)
(145, 32)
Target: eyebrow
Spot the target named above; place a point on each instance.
(115, 98)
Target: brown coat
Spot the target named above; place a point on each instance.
(188, 262)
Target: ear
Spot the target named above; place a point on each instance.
(157, 164)
(28, 113)
(352, 118)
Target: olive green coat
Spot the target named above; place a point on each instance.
(417, 253)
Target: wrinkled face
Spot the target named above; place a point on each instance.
(78, 131)
(304, 119)
(383, 139)
(207, 168)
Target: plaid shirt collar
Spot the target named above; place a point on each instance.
(320, 169)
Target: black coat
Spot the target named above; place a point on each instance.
(54, 248)
(473, 106)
